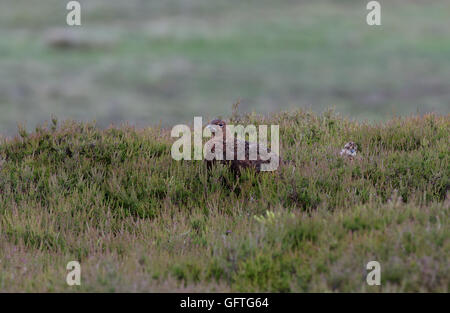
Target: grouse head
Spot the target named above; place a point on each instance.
(351, 146)
(350, 149)
(217, 126)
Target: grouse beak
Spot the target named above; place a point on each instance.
(211, 127)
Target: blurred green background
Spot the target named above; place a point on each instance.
(152, 61)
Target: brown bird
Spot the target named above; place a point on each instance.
(222, 137)
(350, 150)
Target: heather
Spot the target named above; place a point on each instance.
(137, 220)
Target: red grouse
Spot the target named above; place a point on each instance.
(222, 137)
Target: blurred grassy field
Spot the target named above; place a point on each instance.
(151, 61)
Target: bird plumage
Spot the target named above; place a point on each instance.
(223, 137)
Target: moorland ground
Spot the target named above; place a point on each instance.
(137, 220)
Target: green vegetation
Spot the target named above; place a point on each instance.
(139, 221)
